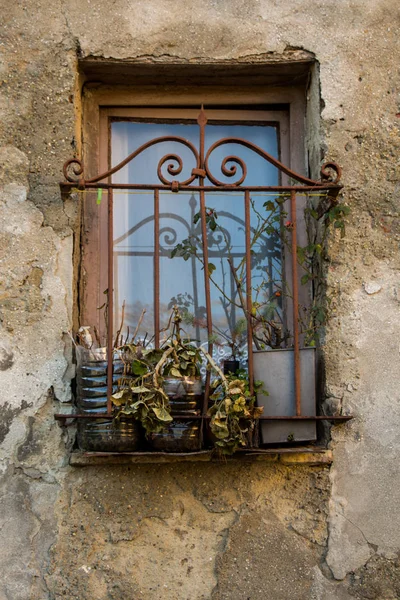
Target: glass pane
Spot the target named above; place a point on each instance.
(134, 259)
(128, 136)
(259, 171)
(182, 282)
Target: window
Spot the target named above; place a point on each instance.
(252, 114)
(181, 281)
(171, 171)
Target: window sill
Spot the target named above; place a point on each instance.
(303, 456)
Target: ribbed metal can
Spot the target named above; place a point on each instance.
(101, 435)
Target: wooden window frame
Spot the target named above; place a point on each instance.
(286, 106)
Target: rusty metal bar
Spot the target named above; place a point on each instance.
(110, 300)
(249, 301)
(301, 418)
(202, 120)
(201, 169)
(333, 187)
(157, 268)
(338, 418)
(295, 284)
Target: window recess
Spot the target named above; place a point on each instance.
(170, 176)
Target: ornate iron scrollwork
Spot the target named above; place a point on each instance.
(76, 167)
(330, 171)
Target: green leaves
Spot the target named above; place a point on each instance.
(153, 355)
(269, 205)
(336, 216)
(140, 389)
(142, 393)
(301, 255)
(186, 249)
(233, 411)
(211, 269)
(212, 222)
(219, 429)
(175, 372)
(139, 368)
(121, 397)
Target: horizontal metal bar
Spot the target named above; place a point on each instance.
(284, 450)
(210, 451)
(63, 416)
(235, 192)
(301, 418)
(334, 187)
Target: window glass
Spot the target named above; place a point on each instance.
(182, 282)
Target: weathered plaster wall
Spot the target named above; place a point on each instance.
(179, 532)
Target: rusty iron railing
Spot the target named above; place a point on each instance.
(329, 184)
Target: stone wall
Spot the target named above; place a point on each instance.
(183, 531)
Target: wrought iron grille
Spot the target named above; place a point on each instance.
(202, 180)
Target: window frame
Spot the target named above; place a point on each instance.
(97, 98)
(101, 105)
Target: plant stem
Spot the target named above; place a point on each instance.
(121, 326)
(241, 297)
(158, 369)
(138, 325)
(216, 368)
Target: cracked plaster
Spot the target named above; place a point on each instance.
(356, 44)
(369, 462)
(191, 518)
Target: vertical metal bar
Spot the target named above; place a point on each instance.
(110, 298)
(249, 301)
(207, 294)
(192, 205)
(156, 268)
(295, 284)
(202, 120)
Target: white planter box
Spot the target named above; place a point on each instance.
(276, 369)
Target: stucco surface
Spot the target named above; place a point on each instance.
(189, 531)
(208, 531)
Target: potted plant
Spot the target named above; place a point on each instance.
(233, 412)
(100, 434)
(164, 383)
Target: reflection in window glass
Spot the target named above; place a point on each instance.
(182, 282)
